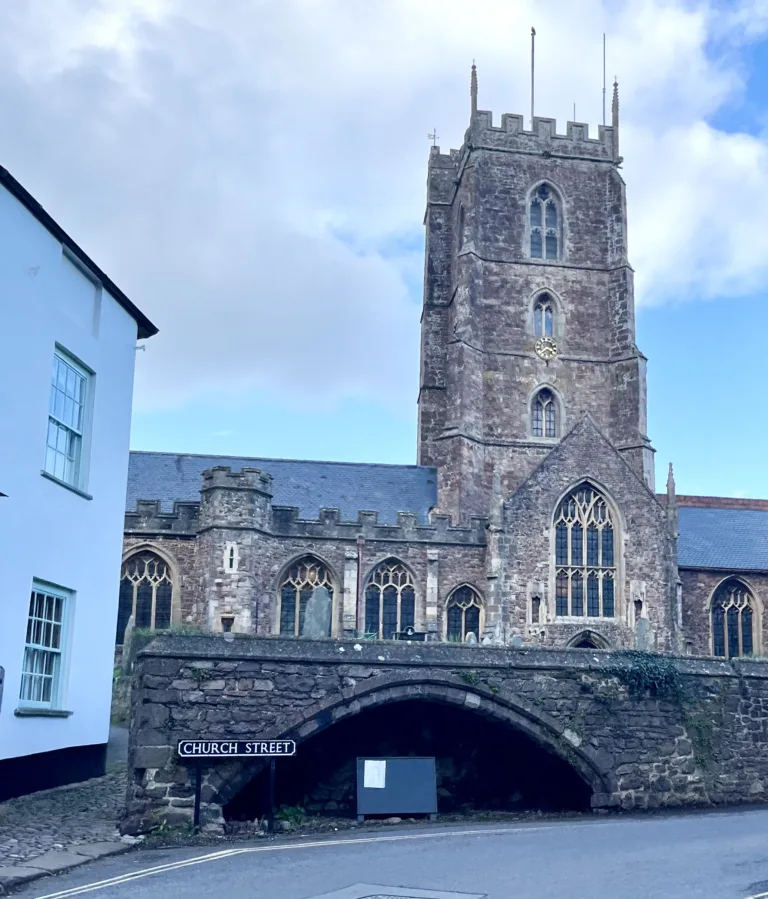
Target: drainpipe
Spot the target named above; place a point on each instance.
(358, 623)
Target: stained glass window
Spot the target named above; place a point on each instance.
(732, 620)
(581, 557)
(390, 600)
(295, 591)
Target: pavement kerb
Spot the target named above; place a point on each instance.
(56, 861)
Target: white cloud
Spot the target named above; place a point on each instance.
(209, 156)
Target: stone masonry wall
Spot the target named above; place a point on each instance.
(703, 742)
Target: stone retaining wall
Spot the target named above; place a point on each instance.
(642, 731)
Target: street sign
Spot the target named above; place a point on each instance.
(229, 749)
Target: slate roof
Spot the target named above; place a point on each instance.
(350, 487)
(735, 539)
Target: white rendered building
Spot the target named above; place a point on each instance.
(66, 383)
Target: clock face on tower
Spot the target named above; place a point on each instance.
(546, 348)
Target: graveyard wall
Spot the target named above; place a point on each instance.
(642, 730)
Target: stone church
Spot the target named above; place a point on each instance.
(531, 517)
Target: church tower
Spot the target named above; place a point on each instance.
(528, 320)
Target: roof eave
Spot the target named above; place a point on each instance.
(145, 328)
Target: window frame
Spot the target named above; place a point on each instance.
(585, 570)
(731, 585)
(556, 406)
(392, 563)
(545, 231)
(82, 434)
(329, 581)
(171, 575)
(61, 660)
(476, 602)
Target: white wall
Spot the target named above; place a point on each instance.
(47, 531)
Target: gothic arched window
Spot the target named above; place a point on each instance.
(585, 564)
(544, 414)
(462, 614)
(296, 588)
(544, 317)
(146, 592)
(544, 224)
(733, 618)
(390, 600)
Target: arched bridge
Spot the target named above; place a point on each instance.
(608, 729)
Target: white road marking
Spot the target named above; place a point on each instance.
(227, 853)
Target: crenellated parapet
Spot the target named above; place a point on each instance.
(149, 519)
(286, 522)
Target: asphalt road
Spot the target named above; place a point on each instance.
(707, 855)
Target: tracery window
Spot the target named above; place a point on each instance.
(390, 600)
(544, 223)
(733, 616)
(146, 592)
(544, 414)
(543, 317)
(296, 589)
(585, 561)
(463, 614)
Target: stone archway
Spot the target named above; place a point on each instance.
(515, 712)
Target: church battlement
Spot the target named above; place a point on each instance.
(222, 476)
(149, 518)
(287, 523)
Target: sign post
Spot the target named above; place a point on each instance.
(199, 750)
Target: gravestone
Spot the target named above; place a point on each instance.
(127, 661)
(643, 635)
(516, 642)
(317, 617)
(471, 639)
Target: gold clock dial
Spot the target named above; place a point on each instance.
(546, 348)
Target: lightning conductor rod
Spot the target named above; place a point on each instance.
(533, 45)
(603, 78)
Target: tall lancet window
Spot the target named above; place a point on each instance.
(544, 224)
(544, 317)
(585, 563)
(544, 415)
(733, 616)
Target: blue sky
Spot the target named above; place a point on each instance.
(253, 176)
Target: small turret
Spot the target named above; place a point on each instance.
(473, 93)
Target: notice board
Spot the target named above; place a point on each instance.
(396, 786)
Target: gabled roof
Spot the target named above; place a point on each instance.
(310, 486)
(145, 326)
(732, 539)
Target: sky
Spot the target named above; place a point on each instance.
(252, 174)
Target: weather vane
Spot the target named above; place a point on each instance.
(434, 137)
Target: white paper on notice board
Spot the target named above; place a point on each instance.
(374, 774)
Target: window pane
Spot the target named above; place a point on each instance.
(304, 597)
(551, 246)
(733, 632)
(593, 597)
(551, 215)
(561, 544)
(163, 605)
(608, 597)
(407, 608)
(472, 621)
(718, 630)
(372, 610)
(288, 610)
(592, 543)
(537, 422)
(608, 547)
(551, 422)
(746, 631)
(536, 245)
(144, 605)
(454, 623)
(535, 214)
(538, 315)
(577, 594)
(561, 594)
(577, 545)
(548, 323)
(389, 618)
